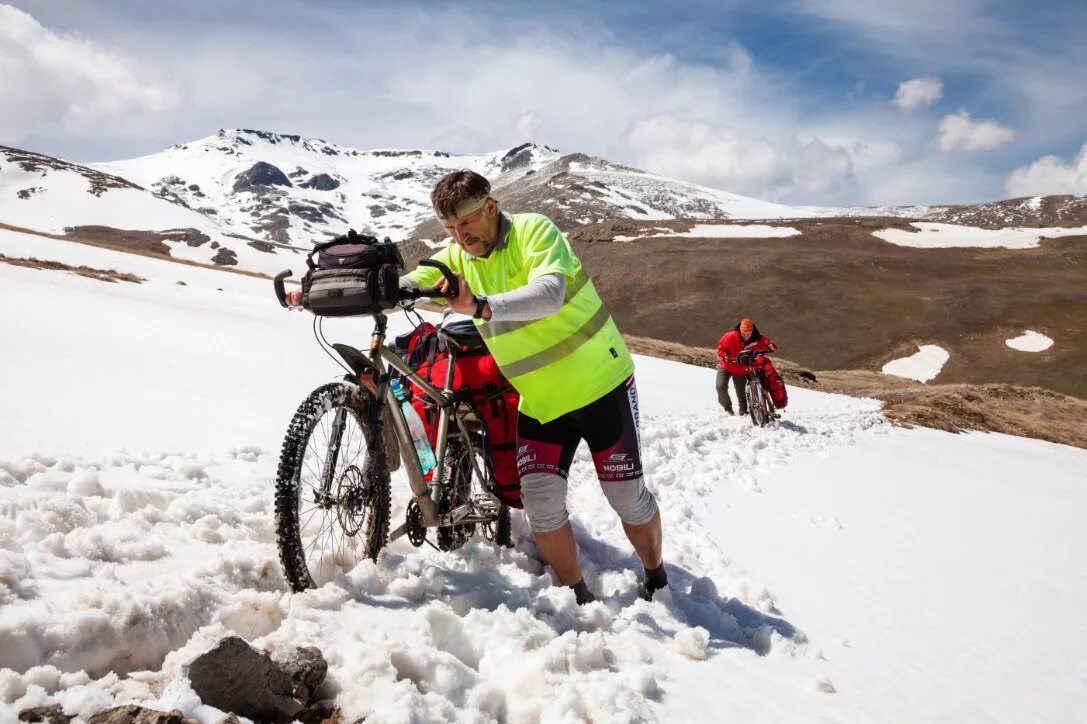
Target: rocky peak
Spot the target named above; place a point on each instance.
(261, 174)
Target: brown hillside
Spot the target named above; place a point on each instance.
(836, 297)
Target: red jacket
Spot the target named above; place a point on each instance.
(731, 344)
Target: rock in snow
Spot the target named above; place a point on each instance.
(237, 678)
(261, 174)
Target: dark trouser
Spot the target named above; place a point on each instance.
(738, 382)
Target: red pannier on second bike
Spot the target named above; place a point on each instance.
(773, 382)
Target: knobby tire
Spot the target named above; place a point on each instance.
(368, 469)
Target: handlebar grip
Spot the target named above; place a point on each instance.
(454, 286)
(281, 293)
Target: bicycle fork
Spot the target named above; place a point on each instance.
(333, 454)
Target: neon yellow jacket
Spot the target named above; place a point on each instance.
(558, 363)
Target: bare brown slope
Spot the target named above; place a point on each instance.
(836, 297)
(143, 243)
(1026, 412)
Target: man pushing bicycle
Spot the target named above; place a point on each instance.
(744, 336)
(541, 318)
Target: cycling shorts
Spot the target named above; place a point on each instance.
(545, 452)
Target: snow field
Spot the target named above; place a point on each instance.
(831, 568)
(162, 555)
(948, 586)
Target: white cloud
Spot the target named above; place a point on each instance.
(735, 125)
(959, 132)
(1050, 175)
(718, 157)
(918, 93)
(65, 81)
(527, 126)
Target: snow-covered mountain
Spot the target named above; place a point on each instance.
(265, 192)
(53, 196)
(833, 568)
(295, 190)
(289, 189)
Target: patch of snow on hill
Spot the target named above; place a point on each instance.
(721, 231)
(942, 236)
(922, 366)
(1030, 341)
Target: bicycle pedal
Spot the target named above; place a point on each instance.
(486, 503)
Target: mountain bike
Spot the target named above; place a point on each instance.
(333, 498)
(760, 405)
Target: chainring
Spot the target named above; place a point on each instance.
(415, 530)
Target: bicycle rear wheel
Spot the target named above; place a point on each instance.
(332, 502)
(457, 491)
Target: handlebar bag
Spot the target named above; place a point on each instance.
(352, 279)
(342, 292)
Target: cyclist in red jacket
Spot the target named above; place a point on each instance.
(744, 335)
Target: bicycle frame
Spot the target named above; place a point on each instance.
(380, 359)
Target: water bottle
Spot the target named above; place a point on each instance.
(415, 428)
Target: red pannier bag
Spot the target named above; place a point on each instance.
(475, 375)
(773, 382)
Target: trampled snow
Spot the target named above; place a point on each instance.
(923, 365)
(831, 568)
(942, 236)
(1030, 341)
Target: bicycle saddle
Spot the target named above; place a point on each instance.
(464, 333)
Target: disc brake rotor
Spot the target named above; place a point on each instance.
(354, 495)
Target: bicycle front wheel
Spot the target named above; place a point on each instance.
(332, 502)
(756, 403)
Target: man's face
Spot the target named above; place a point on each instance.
(476, 232)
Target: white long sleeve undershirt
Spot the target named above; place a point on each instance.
(540, 298)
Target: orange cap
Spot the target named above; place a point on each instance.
(746, 325)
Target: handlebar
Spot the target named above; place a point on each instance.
(281, 293)
(454, 285)
(747, 357)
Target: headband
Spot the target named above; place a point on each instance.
(468, 206)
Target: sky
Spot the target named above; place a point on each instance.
(802, 101)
